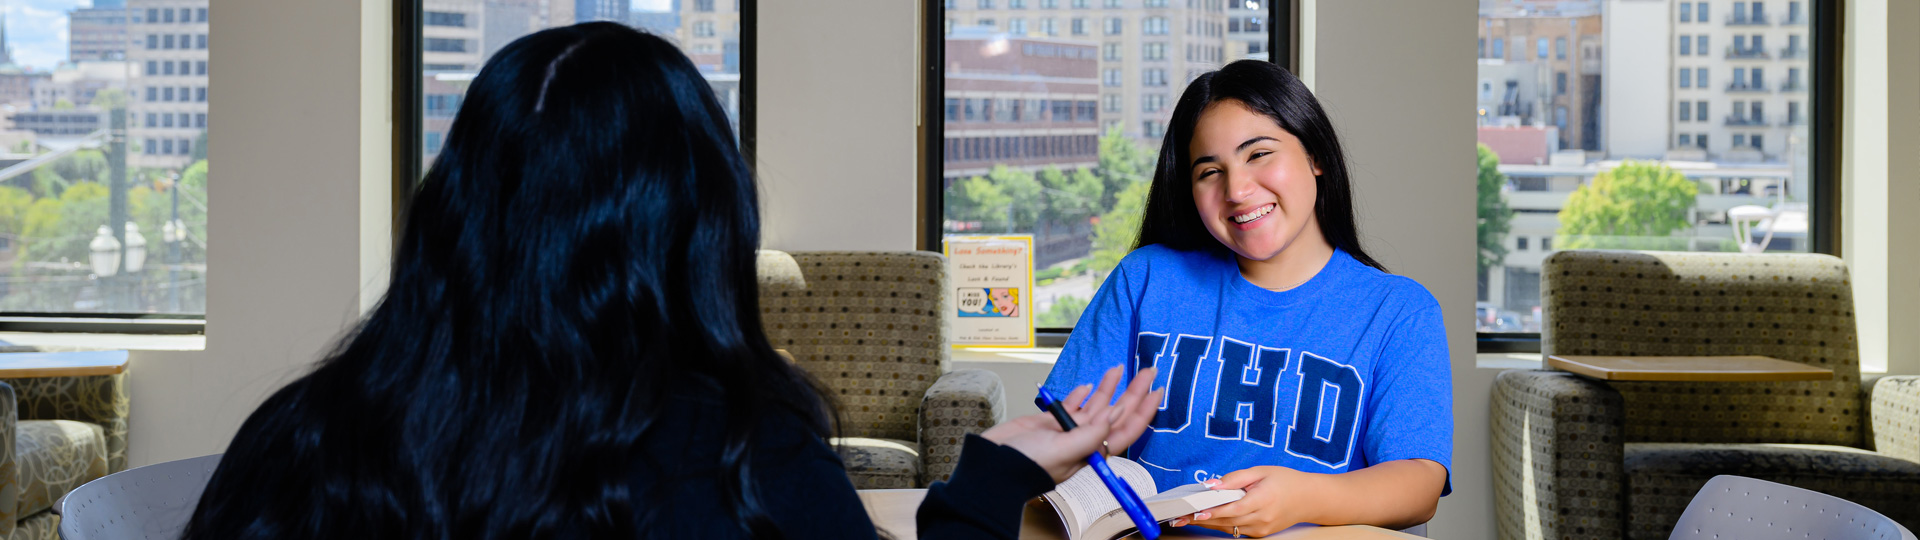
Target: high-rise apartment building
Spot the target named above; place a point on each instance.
(452, 35)
(1027, 103)
(167, 108)
(98, 32)
(1149, 49)
(1540, 65)
(710, 34)
(1739, 80)
(600, 10)
(1248, 33)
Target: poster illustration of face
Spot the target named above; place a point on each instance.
(988, 301)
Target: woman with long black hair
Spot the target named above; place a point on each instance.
(1296, 367)
(571, 347)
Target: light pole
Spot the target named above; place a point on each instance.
(173, 232)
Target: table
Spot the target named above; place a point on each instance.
(892, 510)
(61, 364)
(1689, 368)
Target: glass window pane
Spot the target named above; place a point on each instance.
(1073, 172)
(96, 223)
(458, 36)
(1650, 179)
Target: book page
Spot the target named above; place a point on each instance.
(1083, 497)
(1173, 503)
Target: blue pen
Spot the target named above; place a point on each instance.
(1129, 500)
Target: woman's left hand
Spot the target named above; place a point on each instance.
(1275, 496)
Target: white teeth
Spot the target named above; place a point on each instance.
(1250, 216)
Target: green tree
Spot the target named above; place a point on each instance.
(1064, 312)
(60, 228)
(110, 98)
(1072, 197)
(83, 165)
(1495, 216)
(63, 105)
(47, 183)
(978, 199)
(1026, 196)
(1635, 205)
(1115, 234)
(1122, 163)
(200, 146)
(13, 209)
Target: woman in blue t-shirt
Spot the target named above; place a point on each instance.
(1295, 366)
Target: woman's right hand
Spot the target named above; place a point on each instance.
(1038, 436)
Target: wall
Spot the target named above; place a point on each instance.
(838, 113)
(1879, 191)
(300, 229)
(1396, 78)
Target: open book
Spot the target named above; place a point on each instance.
(1091, 513)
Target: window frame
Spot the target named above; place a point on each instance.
(1823, 213)
(1281, 47)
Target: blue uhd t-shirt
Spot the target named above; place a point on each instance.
(1344, 371)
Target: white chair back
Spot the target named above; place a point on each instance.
(1732, 507)
(151, 502)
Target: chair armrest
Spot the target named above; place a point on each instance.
(9, 467)
(99, 399)
(1893, 415)
(961, 402)
(1558, 458)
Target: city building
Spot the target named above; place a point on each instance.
(98, 32)
(600, 10)
(59, 124)
(665, 24)
(1149, 49)
(167, 109)
(76, 84)
(1248, 33)
(452, 35)
(1540, 64)
(1748, 98)
(16, 86)
(709, 34)
(508, 20)
(1024, 102)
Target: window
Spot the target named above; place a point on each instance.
(1153, 77)
(441, 18)
(445, 45)
(1049, 4)
(986, 4)
(705, 29)
(1154, 26)
(706, 6)
(153, 120)
(200, 42)
(1017, 26)
(1048, 27)
(201, 15)
(1566, 106)
(153, 68)
(1016, 4)
(1499, 48)
(1560, 48)
(166, 15)
(1078, 131)
(200, 67)
(166, 41)
(1153, 102)
(166, 68)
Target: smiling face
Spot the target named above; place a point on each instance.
(1253, 182)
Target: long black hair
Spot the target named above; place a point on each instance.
(581, 252)
(1172, 220)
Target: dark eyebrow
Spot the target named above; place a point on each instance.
(1243, 146)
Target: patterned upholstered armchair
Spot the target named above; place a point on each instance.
(1578, 458)
(870, 325)
(55, 434)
